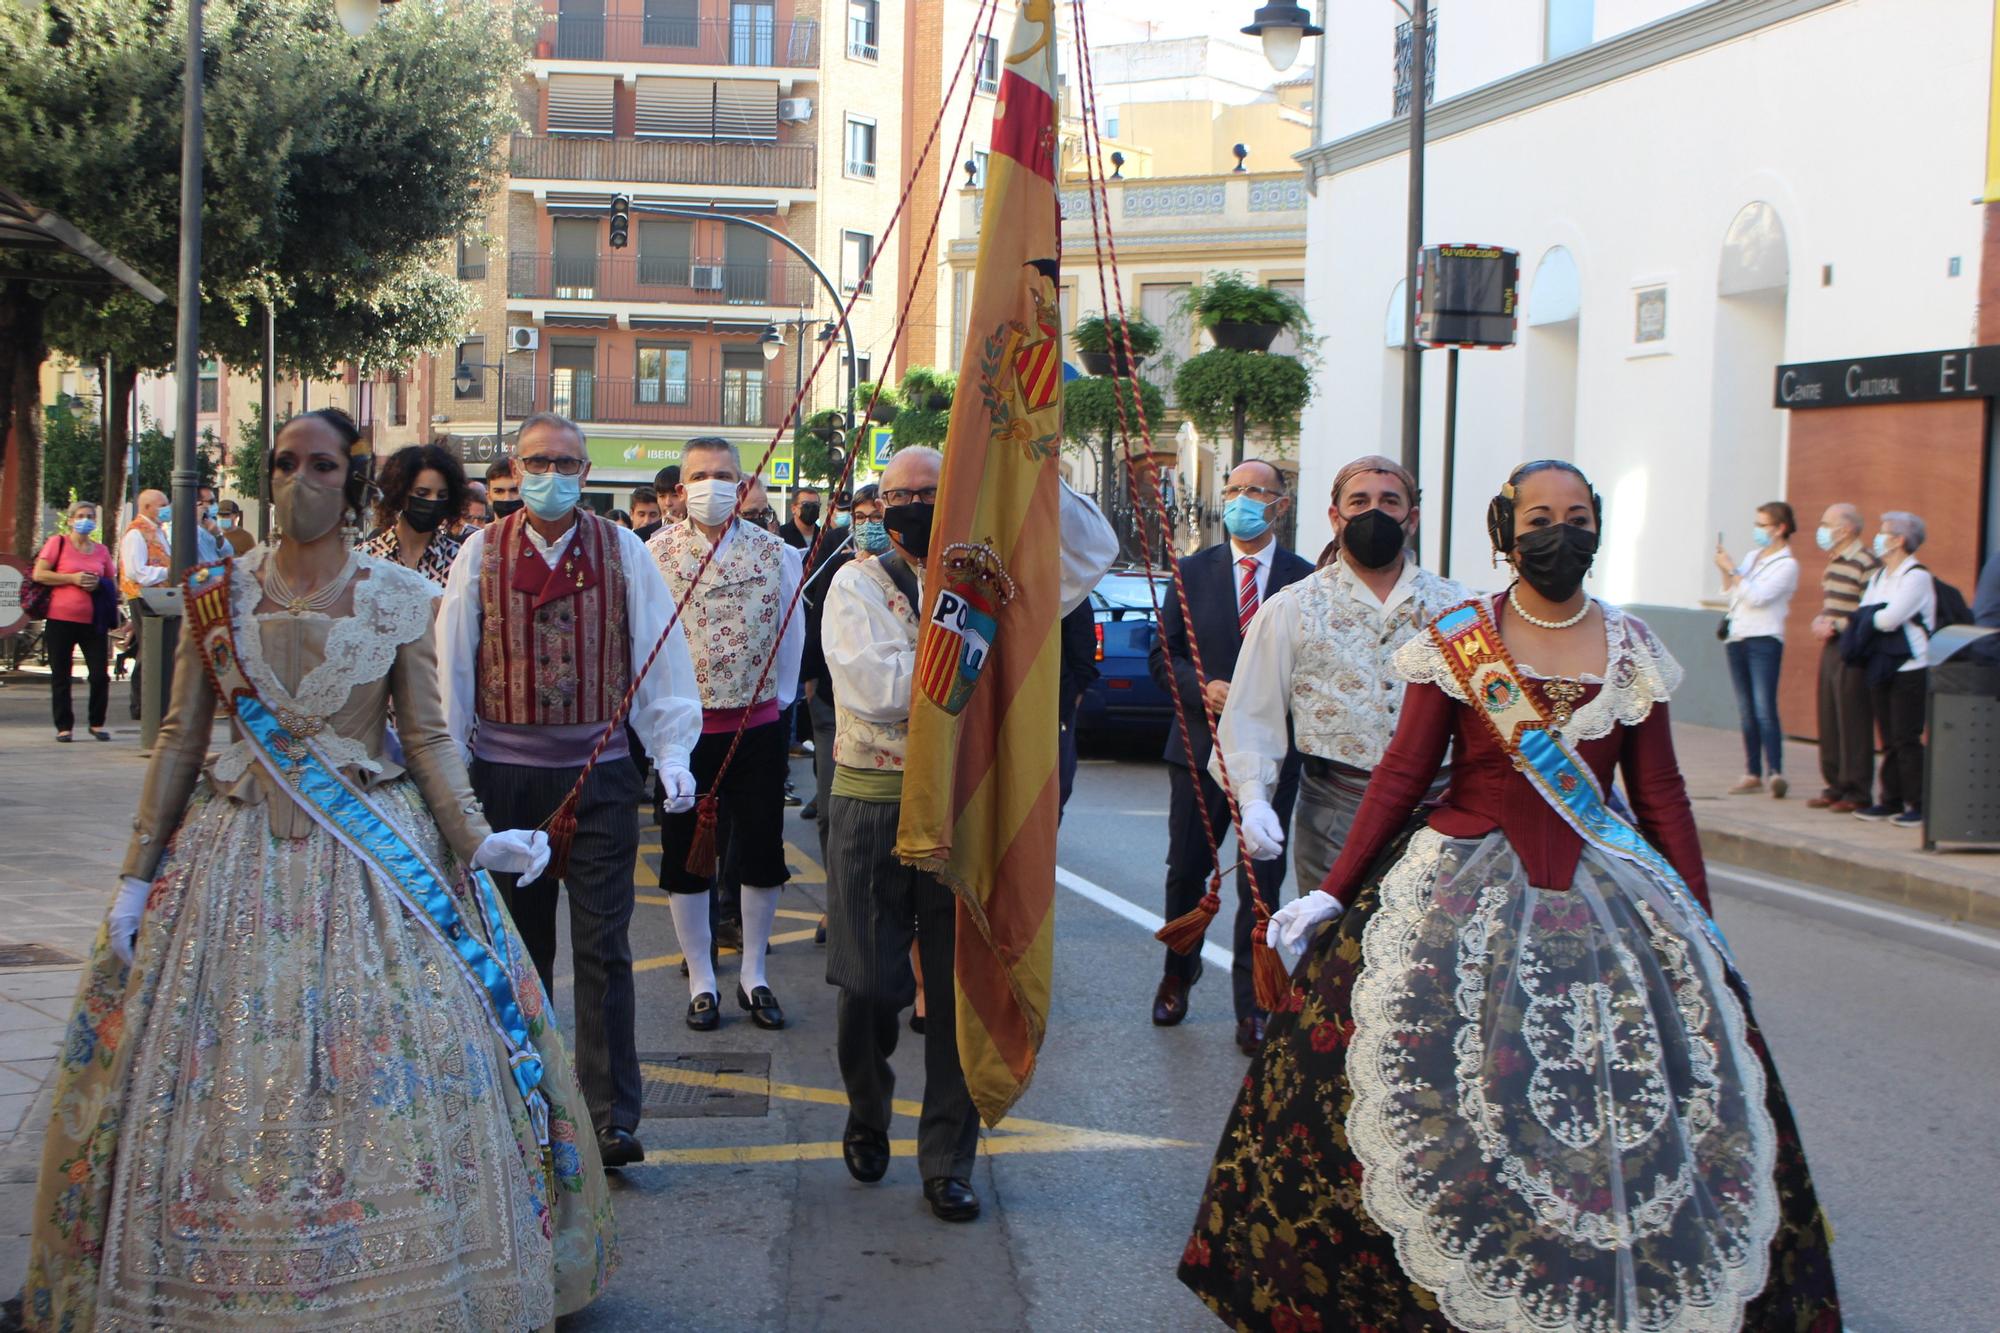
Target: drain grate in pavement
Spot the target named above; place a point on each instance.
(34, 955)
(676, 1086)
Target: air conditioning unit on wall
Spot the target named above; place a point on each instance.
(706, 277)
(795, 109)
(522, 338)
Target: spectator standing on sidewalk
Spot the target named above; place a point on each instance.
(1905, 598)
(1846, 723)
(229, 519)
(1760, 588)
(143, 561)
(82, 610)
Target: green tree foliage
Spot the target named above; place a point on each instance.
(337, 171)
(925, 417)
(156, 458)
(246, 461)
(1090, 409)
(72, 458)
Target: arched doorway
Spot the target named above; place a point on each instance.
(1555, 304)
(1747, 432)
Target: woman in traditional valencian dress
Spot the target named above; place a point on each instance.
(325, 1092)
(1518, 1085)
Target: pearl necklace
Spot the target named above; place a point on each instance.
(295, 604)
(1537, 621)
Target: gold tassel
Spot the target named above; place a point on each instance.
(1185, 933)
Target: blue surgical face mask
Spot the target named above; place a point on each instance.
(1882, 544)
(871, 536)
(1246, 519)
(1760, 537)
(83, 527)
(841, 518)
(166, 514)
(550, 495)
(1824, 536)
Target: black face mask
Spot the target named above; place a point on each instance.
(424, 515)
(1554, 560)
(502, 508)
(1374, 539)
(809, 512)
(910, 525)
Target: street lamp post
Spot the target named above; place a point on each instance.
(697, 214)
(462, 380)
(1282, 28)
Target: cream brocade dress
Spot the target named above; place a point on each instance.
(292, 1112)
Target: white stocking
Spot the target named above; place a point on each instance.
(760, 910)
(691, 925)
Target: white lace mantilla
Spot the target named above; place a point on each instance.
(392, 607)
(1638, 673)
(1557, 1113)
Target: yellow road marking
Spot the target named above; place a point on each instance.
(804, 869)
(1018, 1135)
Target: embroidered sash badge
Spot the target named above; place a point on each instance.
(963, 624)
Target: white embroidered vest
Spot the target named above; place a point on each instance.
(857, 742)
(1346, 691)
(732, 620)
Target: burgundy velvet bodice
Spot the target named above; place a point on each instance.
(1487, 793)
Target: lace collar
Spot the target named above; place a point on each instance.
(1638, 673)
(392, 607)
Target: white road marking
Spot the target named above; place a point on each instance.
(1946, 936)
(1211, 952)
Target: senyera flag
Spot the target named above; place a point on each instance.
(979, 779)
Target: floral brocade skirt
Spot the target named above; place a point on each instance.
(292, 1112)
(1490, 1107)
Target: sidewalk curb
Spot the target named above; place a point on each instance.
(1955, 893)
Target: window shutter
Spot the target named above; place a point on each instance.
(746, 109)
(580, 103)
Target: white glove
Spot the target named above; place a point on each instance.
(1292, 926)
(523, 852)
(679, 786)
(1263, 837)
(126, 911)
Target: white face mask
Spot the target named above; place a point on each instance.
(711, 500)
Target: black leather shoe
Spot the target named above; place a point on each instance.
(705, 1012)
(917, 1024)
(618, 1147)
(1170, 1002)
(729, 935)
(763, 1007)
(951, 1199)
(1250, 1033)
(866, 1151)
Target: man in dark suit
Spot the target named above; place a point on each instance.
(1226, 584)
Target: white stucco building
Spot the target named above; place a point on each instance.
(1792, 180)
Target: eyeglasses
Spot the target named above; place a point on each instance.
(541, 464)
(862, 515)
(928, 495)
(1254, 492)
(761, 518)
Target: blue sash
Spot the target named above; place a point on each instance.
(1492, 684)
(340, 807)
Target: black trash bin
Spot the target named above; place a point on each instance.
(1962, 761)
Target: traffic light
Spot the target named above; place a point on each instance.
(621, 219)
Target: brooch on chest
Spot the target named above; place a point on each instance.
(1563, 697)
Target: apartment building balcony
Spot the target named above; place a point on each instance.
(628, 279)
(761, 166)
(585, 397)
(744, 44)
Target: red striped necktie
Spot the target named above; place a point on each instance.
(1246, 598)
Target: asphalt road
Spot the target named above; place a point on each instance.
(749, 1220)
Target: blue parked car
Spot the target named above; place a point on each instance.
(1124, 695)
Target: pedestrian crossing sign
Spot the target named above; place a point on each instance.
(880, 437)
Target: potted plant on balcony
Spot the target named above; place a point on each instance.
(884, 409)
(1224, 391)
(1240, 315)
(1101, 347)
(925, 417)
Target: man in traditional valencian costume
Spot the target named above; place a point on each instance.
(746, 661)
(548, 616)
(877, 905)
(1316, 671)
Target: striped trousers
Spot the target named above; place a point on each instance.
(600, 915)
(875, 905)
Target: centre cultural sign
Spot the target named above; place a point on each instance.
(1910, 377)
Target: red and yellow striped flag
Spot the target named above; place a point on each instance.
(979, 779)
